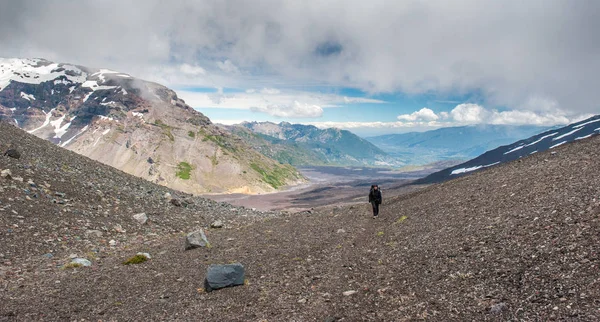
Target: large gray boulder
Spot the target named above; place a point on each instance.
(220, 276)
(196, 239)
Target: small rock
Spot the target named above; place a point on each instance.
(119, 229)
(220, 276)
(141, 218)
(498, 308)
(176, 202)
(60, 194)
(196, 239)
(302, 301)
(49, 255)
(112, 242)
(341, 231)
(13, 153)
(6, 173)
(348, 293)
(168, 196)
(145, 255)
(95, 233)
(330, 319)
(217, 224)
(82, 262)
(72, 256)
(20, 179)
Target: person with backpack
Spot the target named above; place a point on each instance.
(375, 199)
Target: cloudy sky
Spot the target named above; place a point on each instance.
(369, 66)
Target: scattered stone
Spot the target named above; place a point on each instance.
(348, 293)
(6, 173)
(147, 255)
(141, 218)
(20, 179)
(118, 228)
(60, 194)
(48, 256)
(220, 276)
(196, 239)
(168, 196)
(94, 233)
(176, 202)
(81, 261)
(330, 319)
(13, 153)
(498, 308)
(341, 231)
(112, 242)
(217, 224)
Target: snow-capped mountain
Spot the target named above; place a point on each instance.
(538, 143)
(140, 127)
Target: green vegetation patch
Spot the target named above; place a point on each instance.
(401, 219)
(166, 129)
(276, 176)
(137, 259)
(184, 170)
(72, 265)
(219, 140)
(191, 134)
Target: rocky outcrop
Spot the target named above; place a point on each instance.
(136, 126)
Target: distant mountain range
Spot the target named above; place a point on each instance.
(136, 126)
(537, 143)
(451, 143)
(298, 144)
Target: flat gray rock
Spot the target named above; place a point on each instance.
(196, 239)
(220, 276)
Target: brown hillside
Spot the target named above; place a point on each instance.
(515, 242)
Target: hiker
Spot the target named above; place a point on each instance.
(375, 199)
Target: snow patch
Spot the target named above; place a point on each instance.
(542, 138)
(533, 152)
(584, 137)
(108, 103)
(58, 129)
(566, 134)
(46, 122)
(74, 136)
(85, 98)
(30, 71)
(105, 132)
(515, 149)
(106, 118)
(559, 144)
(28, 97)
(586, 123)
(123, 91)
(464, 170)
(16, 122)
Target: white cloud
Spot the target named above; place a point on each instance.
(270, 91)
(469, 113)
(536, 55)
(192, 70)
(228, 67)
(271, 101)
(423, 114)
(295, 110)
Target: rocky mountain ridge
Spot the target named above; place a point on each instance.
(139, 127)
(541, 142)
(303, 145)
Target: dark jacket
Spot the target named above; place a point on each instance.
(375, 196)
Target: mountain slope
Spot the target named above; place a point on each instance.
(541, 142)
(299, 144)
(516, 242)
(139, 127)
(463, 142)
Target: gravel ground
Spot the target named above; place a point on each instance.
(516, 242)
